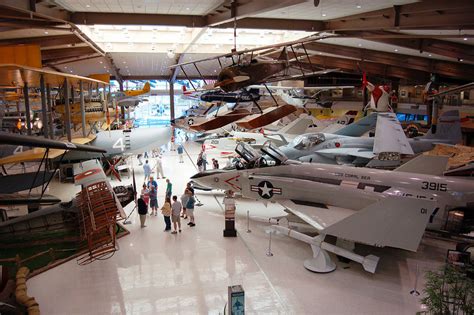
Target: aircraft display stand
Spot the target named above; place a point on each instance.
(229, 204)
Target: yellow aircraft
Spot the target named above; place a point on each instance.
(146, 89)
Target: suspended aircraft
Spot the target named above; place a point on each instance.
(130, 98)
(389, 138)
(356, 205)
(255, 66)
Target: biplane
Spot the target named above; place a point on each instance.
(11, 184)
(240, 69)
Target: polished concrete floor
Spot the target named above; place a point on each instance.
(155, 272)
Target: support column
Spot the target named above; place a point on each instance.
(44, 111)
(67, 110)
(27, 109)
(50, 111)
(172, 109)
(83, 109)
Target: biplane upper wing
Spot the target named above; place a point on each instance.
(262, 50)
(300, 75)
(6, 138)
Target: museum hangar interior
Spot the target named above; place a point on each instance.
(232, 156)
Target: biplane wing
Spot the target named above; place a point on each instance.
(268, 116)
(221, 121)
(264, 50)
(19, 140)
(26, 199)
(33, 155)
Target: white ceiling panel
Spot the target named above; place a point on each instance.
(193, 7)
(330, 9)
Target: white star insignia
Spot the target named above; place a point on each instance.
(265, 190)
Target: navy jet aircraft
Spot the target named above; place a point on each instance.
(356, 205)
(338, 148)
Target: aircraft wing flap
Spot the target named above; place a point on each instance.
(357, 152)
(318, 216)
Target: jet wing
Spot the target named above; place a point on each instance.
(393, 221)
(357, 152)
(318, 216)
(389, 135)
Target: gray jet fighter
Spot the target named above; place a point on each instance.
(355, 205)
(339, 148)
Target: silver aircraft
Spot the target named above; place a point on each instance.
(355, 205)
(339, 148)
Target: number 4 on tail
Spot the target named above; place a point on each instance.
(119, 144)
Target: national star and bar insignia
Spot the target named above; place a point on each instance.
(265, 189)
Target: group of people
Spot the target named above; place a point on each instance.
(172, 211)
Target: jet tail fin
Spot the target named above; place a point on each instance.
(425, 164)
(448, 128)
(358, 128)
(395, 221)
(297, 126)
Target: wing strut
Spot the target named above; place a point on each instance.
(186, 75)
(297, 60)
(271, 94)
(253, 100)
(307, 56)
(202, 78)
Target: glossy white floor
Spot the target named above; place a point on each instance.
(155, 272)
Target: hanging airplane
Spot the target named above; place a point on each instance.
(255, 66)
(356, 205)
(130, 98)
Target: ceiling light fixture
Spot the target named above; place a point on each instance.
(358, 6)
(323, 14)
(465, 38)
(46, 32)
(88, 5)
(100, 61)
(429, 55)
(360, 45)
(460, 59)
(395, 50)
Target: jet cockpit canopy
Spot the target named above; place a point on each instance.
(307, 141)
(249, 154)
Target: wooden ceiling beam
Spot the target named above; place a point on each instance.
(44, 41)
(435, 14)
(431, 45)
(91, 18)
(444, 68)
(63, 53)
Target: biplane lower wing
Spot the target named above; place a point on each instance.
(27, 199)
(269, 116)
(221, 121)
(19, 182)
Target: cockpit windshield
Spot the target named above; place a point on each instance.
(305, 142)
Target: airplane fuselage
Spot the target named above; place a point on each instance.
(340, 186)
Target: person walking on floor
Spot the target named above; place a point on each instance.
(166, 212)
(142, 211)
(159, 167)
(175, 211)
(184, 202)
(169, 188)
(146, 170)
(152, 182)
(180, 153)
(145, 194)
(190, 209)
(153, 200)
